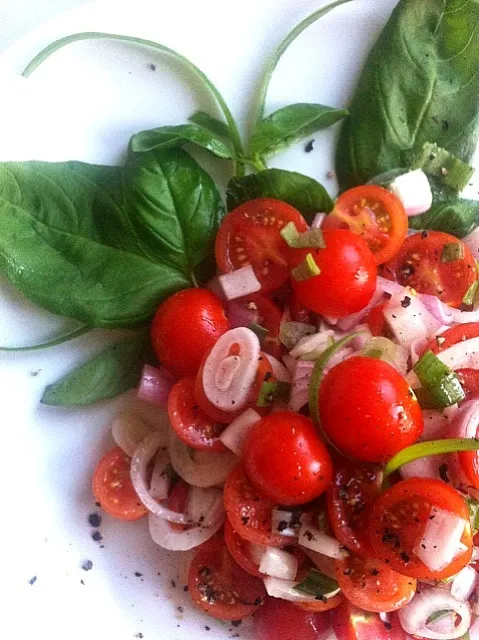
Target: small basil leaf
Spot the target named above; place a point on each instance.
(178, 136)
(214, 125)
(289, 124)
(301, 192)
(113, 371)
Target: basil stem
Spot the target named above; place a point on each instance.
(66, 337)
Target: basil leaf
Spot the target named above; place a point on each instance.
(177, 136)
(214, 125)
(419, 84)
(319, 585)
(288, 125)
(113, 371)
(301, 192)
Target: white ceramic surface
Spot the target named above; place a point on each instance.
(83, 104)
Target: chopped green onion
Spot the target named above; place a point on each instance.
(437, 615)
(373, 353)
(451, 252)
(290, 333)
(441, 163)
(440, 386)
(306, 269)
(260, 331)
(313, 238)
(273, 390)
(318, 585)
(381, 348)
(430, 448)
(470, 295)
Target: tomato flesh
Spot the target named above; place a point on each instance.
(113, 489)
(239, 549)
(281, 619)
(452, 336)
(351, 623)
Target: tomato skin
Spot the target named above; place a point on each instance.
(282, 619)
(419, 265)
(113, 489)
(452, 336)
(238, 547)
(250, 235)
(190, 423)
(374, 213)
(399, 517)
(373, 586)
(321, 607)
(380, 416)
(184, 329)
(351, 623)
(219, 586)
(376, 321)
(348, 275)
(284, 458)
(349, 499)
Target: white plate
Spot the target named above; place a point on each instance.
(83, 104)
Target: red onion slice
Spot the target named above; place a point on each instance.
(299, 390)
(318, 220)
(235, 434)
(279, 370)
(239, 315)
(463, 424)
(414, 616)
(278, 564)
(463, 355)
(239, 283)
(155, 385)
(412, 322)
(464, 584)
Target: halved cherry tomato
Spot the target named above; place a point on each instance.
(249, 235)
(375, 214)
(219, 586)
(189, 421)
(372, 585)
(318, 606)
(113, 489)
(469, 379)
(297, 311)
(284, 457)
(177, 501)
(240, 550)
(347, 280)
(269, 317)
(454, 335)
(349, 498)
(351, 623)
(376, 321)
(250, 512)
(398, 520)
(280, 619)
(368, 410)
(184, 329)
(420, 265)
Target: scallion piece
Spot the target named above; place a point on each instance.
(260, 331)
(318, 585)
(470, 295)
(271, 391)
(439, 162)
(451, 252)
(306, 269)
(313, 238)
(440, 386)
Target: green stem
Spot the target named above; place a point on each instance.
(80, 331)
(93, 35)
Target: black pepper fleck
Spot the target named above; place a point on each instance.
(309, 146)
(96, 535)
(32, 580)
(138, 574)
(95, 520)
(87, 565)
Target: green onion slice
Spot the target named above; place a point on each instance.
(470, 295)
(273, 390)
(306, 269)
(318, 585)
(260, 331)
(290, 333)
(313, 238)
(441, 163)
(451, 252)
(441, 387)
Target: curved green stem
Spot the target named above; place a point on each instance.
(80, 331)
(94, 35)
(290, 38)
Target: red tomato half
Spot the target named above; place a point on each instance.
(348, 275)
(375, 214)
(249, 235)
(398, 520)
(454, 335)
(240, 550)
(113, 489)
(184, 329)
(219, 586)
(189, 421)
(376, 321)
(279, 619)
(284, 457)
(269, 317)
(250, 512)
(351, 623)
(420, 264)
(368, 410)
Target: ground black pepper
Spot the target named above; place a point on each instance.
(309, 146)
(95, 520)
(33, 580)
(87, 565)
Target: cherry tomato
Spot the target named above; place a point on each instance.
(286, 460)
(469, 379)
(347, 280)
(368, 410)
(189, 421)
(249, 235)
(398, 520)
(219, 586)
(250, 512)
(177, 501)
(376, 321)
(420, 264)
(349, 498)
(372, 585)
(184, 329)
(240, 550)
(269, 317)
(113, 489)
(375, 214)
(351, 623)
(281, 619)
(452, 336)
(318, 606)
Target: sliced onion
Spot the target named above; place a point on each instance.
(139, 470)
(448, 315)
(279, 370)
(464, 424)
(463, 355)
(414, 616)
(155, 385)
(285, 589)
(351, 322)
(290, 333)
(214, 286)
(314, 539)
(414, 191)
(128, 430)
(289, 363)
(240, 315)
(409, 323)
(474, 630)
(472, 241)
(326, 566)
(202, 505)
(235, 434)
(278, 564)
(427, 467)
(314, 344)
(464, 584)
(285, 522)
(318, 220)
(390, 286)
(255, 552)
(239, 283)
(300, 386)
(160, 483)
(444, 624)
(441, 540)
(200, 469)
(227, 376)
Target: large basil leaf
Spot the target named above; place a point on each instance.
(178, 136)
(214, 125)
(301, 192)
(113, 371)
(288, 125)
(420, 84)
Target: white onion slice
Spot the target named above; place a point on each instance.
(231, 392)
(139, 468)
(285, 522)
(279, 370)
(285, 589)
(327, 566)
(239, 283)
(435, 425)
(300, 387)
(202, 505)
(427, 467)
(235, 434)
(160, 483)
(278, 564)
(128, 430)
(441, 540)
(414, 616)
(414, 191)
(464, 584)
(200, 469)
(316, 343)
(312, 538)
(409, 323)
